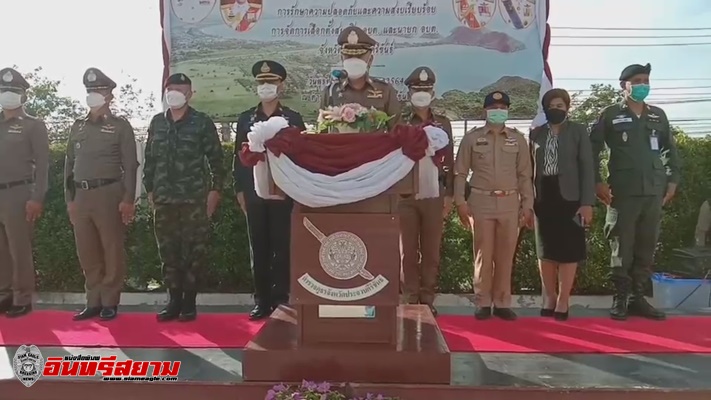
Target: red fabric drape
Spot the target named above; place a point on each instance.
(338, 153)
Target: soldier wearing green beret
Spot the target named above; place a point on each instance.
(183, 175)
(100, 191)
(24, 161)
(643, 175)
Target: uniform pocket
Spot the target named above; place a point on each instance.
(481, 155)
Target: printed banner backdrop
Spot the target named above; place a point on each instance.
(473, 46)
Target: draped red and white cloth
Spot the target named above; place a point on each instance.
(331, 169)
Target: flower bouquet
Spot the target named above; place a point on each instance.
(351, 118)
(315, 391)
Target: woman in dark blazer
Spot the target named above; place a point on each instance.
(564, 183)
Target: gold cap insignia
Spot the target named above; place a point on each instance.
(423, 76)
(7, 77)
(91, 77)
(497, 96)
(353, 37)
(182, 78)
(265, 68)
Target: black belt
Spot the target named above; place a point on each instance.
(93, 183)
(15, 183)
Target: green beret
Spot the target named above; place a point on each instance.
(635, 69)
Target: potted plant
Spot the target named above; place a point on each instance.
(351, 118)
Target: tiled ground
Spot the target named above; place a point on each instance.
(677, 371)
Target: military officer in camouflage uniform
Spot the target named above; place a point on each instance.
(268, 221)
(643, 175)
(421, 219)
(355, 85)
(24, 160)
(100, 191)
(183, 175)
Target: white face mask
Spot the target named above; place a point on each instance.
(95, 100)
(267, 91)
(175, 99)
(421, 99)
(10, 100)
(355, 67)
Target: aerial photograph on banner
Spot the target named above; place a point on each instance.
(473, 47)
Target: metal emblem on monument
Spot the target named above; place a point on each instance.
(28, 364)
(343, 255)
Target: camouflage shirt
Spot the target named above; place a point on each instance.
(183, 158)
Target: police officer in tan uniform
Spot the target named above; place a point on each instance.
(24, 159)
(354, 83)
(421, 219)
(501, 201)
(100, 190)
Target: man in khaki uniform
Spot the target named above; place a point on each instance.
(100, 190)
(421, 219)
(24, 160)
(501, 201)
(354, 83)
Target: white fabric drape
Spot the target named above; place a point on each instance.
(365, 181)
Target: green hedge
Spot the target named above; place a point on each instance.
(228, 270)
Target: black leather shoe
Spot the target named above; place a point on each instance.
(618, 311)
(87, 313)
(260, 312)
(18, 311)
(108, 313)
(639, 307)
(546, 312)
(483, 313)
(560, 316)
(172, 310)
(506, 314)
(5, 304)
(189, 310)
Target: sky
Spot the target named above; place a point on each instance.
(123, 38)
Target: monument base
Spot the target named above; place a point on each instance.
(420, 356)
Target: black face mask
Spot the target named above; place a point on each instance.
(556, 116)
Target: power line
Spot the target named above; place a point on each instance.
(629, 44)
(631, 37)
(580, 28)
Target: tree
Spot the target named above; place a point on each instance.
(132, 102)
(45, 102)
(586, 109)
(59, 112)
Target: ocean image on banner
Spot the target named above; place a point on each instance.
(473, 46)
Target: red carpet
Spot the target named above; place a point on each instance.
(463, 333)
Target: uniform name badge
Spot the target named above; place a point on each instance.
(654, 142)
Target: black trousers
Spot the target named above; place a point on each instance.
(269, 229)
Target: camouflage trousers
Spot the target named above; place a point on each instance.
(182, 232)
